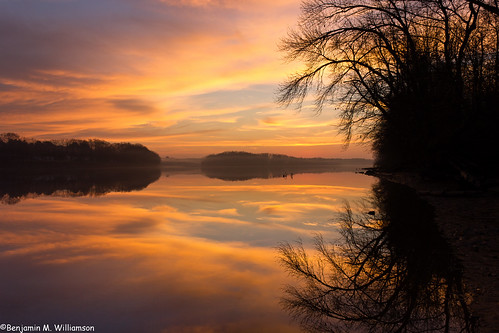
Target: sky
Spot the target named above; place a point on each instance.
(186, 78)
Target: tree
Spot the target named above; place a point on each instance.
(15, 151)
(410, 76)
(491, 6)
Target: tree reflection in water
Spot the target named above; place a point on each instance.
(22, 183)
(393, 272)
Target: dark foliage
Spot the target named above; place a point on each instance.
(15, 151)
(417, 79)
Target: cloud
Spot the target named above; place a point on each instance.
(233, 4)
(234, 98)
(99, 37)
(170, 74)
(134, 105)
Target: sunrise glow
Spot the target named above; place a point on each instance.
(184, 78)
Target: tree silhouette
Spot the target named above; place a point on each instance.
(20, 152)
(393, 272)
(418, 79)
(490, 6)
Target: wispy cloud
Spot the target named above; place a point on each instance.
(127, 69)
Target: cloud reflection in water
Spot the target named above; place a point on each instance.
(187, 253)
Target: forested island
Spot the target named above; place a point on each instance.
(28, 153)
(238, 165)
(29, 168)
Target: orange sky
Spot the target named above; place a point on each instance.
(184, 77)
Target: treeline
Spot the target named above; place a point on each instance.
(237, 165)
(275, 160)
(15, 151)
(417, 79)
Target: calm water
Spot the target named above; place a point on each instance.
(185, 254)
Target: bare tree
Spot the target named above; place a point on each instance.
(490, 6)
(395, 62)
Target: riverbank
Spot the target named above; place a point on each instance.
(469, 220)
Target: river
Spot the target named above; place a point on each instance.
(186, 253)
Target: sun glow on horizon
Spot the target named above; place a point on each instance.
(183, 78)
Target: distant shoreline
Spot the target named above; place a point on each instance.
(239, 165)
(17, 152)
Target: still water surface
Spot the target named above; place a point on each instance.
(185, 254)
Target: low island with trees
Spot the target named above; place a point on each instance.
(239, 165)
(27, 153)
(29, 168)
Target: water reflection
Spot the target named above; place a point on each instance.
(241, 171)
(392, 272)
(16, 185)
(186, 254)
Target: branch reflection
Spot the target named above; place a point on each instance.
(392, 272)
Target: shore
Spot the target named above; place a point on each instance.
(469, 220)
